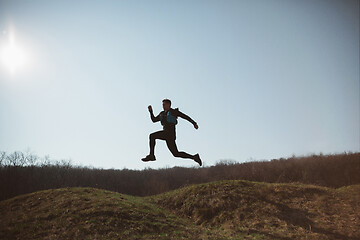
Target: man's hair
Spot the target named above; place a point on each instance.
(167, 101)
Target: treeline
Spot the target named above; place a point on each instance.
(24, 173)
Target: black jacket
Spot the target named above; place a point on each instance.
(169, 122)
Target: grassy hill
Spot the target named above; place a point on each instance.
(217, 210)
(240, 209)
(88, 213)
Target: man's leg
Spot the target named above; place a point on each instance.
(174, 150)
(152, 138)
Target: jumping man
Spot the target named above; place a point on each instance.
(168, 119)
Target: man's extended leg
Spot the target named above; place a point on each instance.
(152, 138)
(174, 150)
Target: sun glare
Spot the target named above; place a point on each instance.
(13, 57)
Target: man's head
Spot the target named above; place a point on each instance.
(166, 104)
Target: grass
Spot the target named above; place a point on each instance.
(241, 209)
(218, 210)
(88, 213)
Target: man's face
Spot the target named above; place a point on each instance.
(166, 106)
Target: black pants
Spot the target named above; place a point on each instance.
(170, 142)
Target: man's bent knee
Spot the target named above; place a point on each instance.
(152, 136)
(176, 153)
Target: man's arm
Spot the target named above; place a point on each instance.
(153, 118)
(184, 116)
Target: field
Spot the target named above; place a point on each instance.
(229, 209)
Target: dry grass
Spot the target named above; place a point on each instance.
(276, 211)
(229, 209)
(87, 213)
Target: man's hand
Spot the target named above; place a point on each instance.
(196, 126)
(150, 108)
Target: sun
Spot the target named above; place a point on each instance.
(13, 56)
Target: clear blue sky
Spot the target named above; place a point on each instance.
(264, 79)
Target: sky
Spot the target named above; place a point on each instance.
(263, 79)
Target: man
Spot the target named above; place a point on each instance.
(168, 119)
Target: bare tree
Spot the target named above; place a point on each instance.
(30, 159)
(2, 158)
(46, 161)
(13, 159)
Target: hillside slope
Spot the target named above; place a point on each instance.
(217, 210)
(87, 213)
(277, 211)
